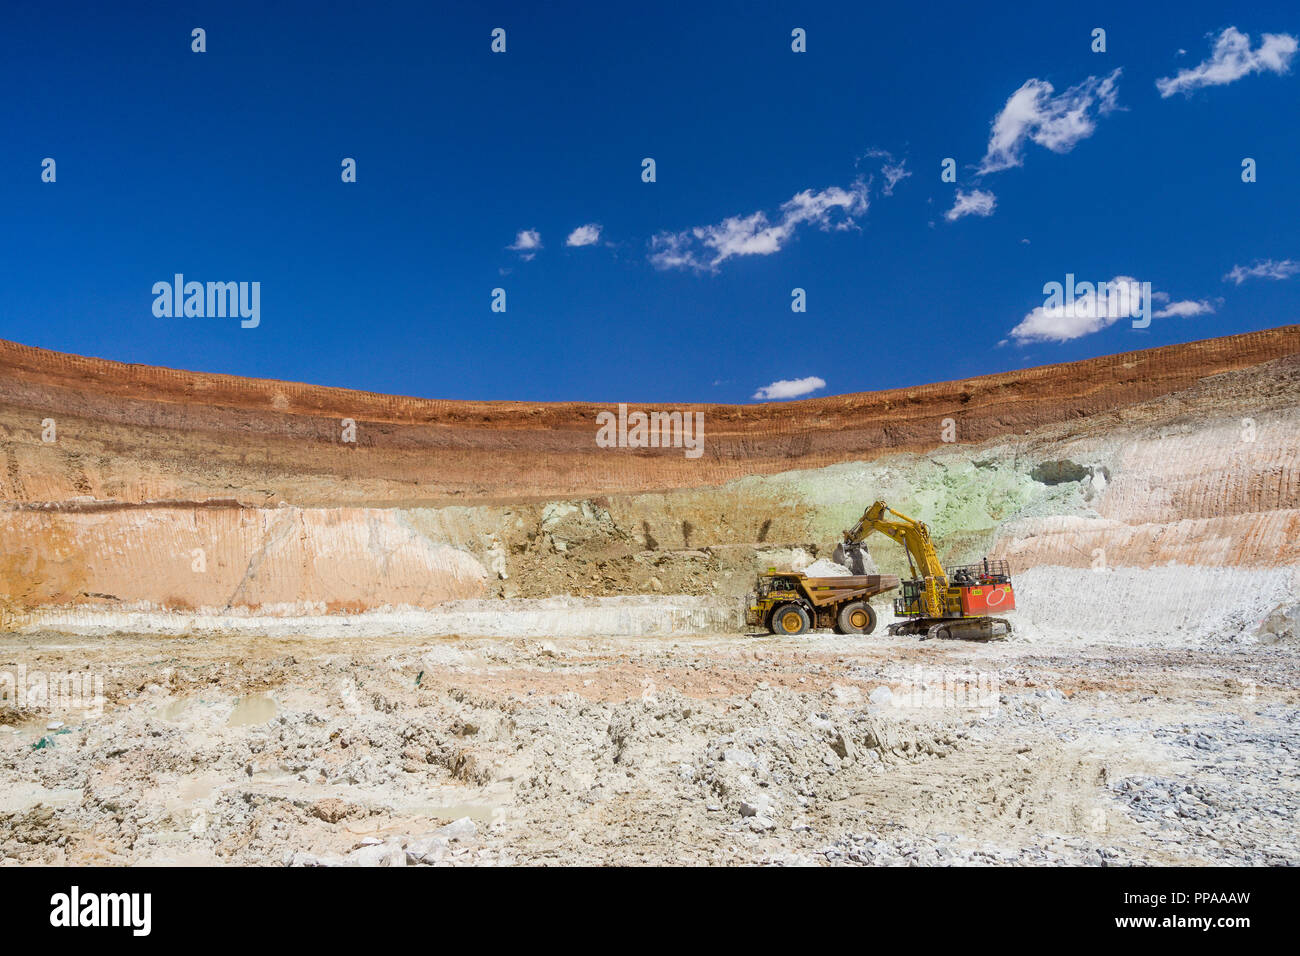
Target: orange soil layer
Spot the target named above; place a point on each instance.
(133, 433)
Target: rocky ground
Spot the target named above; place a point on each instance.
(715, 748)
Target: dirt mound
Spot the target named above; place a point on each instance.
(825, 568)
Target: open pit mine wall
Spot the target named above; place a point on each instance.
(188, 498)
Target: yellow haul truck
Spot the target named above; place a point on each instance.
(787, 602)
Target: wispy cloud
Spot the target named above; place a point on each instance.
(527, 242)
(790, 388)
(587, 235)
(893, 172)
(1056, 122)
(977, 202)
(1231, 59)
(1186, 309)
(704, 248)
(1263, 269)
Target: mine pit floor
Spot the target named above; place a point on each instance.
(712, 748)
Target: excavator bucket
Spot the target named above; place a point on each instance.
(855, 557)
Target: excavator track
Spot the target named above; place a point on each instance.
(961, 628)
(970, 629)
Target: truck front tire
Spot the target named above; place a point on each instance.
(790, 620)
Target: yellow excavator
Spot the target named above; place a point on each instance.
(934, 602)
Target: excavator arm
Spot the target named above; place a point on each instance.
(914, 536)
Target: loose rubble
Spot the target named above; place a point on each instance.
(715, 748)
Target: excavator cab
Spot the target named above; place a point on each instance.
(908, 604)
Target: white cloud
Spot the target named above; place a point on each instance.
(893, 172)
(671, 250)
(527, 242)
(977, 202)
(1263, 269)
(1231, 59)
(1096, 307)
(1186, 309)
(1056, 122)
(587, 235)
(790, 388)
(1085, 315)
(706, 247)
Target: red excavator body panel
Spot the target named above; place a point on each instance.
(982, 599)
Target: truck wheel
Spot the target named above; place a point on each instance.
(789, 620)
(856, 617)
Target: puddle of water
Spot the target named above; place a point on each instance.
(250, 710)
(478, 812)
(193, 790)
(423, 817)
(24, 796)
(25, 727)
(35, 732)
(176, 709)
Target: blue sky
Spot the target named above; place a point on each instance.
(770, 175)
